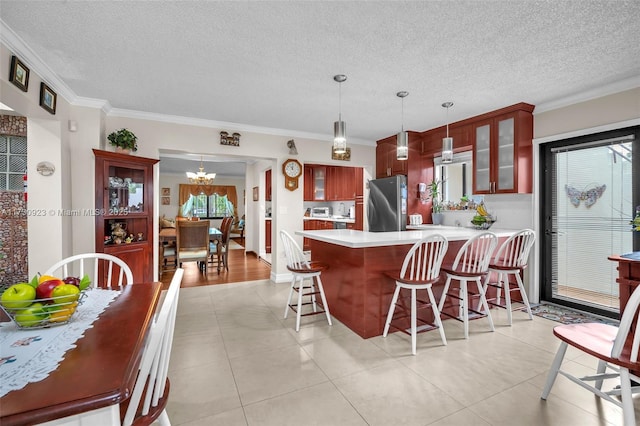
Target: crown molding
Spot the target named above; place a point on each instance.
(19, 48)
(201, 122)
(598, 92)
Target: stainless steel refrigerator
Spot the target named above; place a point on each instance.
(387, 205)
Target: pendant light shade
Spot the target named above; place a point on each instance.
(402, 140)
(447, 143)
(340, 127)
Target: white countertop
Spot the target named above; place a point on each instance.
(361, 239)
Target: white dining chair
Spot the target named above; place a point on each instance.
(152, 380)
(616, 350)
(471, 264)
(420, 270)
(104, 269)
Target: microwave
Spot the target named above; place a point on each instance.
(321, 212)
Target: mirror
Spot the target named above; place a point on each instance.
(457, 177)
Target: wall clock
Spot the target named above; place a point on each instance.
(292, 170)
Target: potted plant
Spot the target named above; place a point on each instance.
(436, 208)
(124, 140)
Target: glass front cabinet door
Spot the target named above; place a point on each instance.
(503, 153)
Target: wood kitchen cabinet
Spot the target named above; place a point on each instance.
(124, 210)
(387, 163)
(329, 183)
(503, 151)
(267, 185)
(267, 236)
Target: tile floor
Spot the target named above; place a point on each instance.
(236, 361)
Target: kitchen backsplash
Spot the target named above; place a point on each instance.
(513, 211)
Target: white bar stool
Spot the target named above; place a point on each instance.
(302, 270)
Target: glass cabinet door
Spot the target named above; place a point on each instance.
(505, 154)
(319, 183)
(125, 190)
(482, 161)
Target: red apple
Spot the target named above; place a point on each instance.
(72, 280)
(44, 289)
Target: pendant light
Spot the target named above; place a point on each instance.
(447, 143)
(402, 140)
(340, 127)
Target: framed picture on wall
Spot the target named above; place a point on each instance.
(19, 74)
(166, 192)
(165, 201)
(256, 193)
(48, 98)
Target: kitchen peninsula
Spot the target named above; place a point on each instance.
(358, 291)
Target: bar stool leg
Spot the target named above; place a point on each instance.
(324, 300)
(523, 294)
(413, 321)
(300, 291)
(464, 307)
(436, 315)
(484, 304)
(286, 308)
(392, 309)
(504, 283)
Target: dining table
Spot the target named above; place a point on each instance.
(95, 376)
(215, 236)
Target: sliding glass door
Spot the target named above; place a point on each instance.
(589, 185)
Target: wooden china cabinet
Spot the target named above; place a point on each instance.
(124, 203)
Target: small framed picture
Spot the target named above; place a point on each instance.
(48, 98)
(19, 74)
(165, 201)
(166, 192)
(256, 193)
(344, 156)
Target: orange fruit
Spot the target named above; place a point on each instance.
(61, 315)
(44, 278)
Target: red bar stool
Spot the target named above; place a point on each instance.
(420, 269)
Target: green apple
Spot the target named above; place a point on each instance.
(65, 294)
(18, 296)
(31, 316)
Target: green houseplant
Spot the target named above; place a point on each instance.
(436, 208)
(123, 139)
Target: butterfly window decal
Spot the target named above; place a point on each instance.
(588, 196)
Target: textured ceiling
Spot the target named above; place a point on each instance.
(271, 64)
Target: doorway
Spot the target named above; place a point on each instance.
(589, 189)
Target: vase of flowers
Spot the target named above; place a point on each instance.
(123, 140)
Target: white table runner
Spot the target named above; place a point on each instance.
(28, 356)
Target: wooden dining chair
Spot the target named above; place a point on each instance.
(152, 382)
(615, 348)
(225, 230)
(192, 242)
(471, 264)
(420, 270)
(105, 270)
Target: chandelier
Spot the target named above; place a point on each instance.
(201, 178)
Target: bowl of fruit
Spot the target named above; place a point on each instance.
(482, 219)
(44, 301)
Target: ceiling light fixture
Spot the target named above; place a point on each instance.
(402, 140)
(340, 127)
(447, 143)
(201, 178)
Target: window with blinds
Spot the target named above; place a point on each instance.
(591, 196)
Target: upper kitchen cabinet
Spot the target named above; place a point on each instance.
(387, 163)
(503, 151)
(308, 183)
(431, 145)
(267, 185)
(341, 183)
